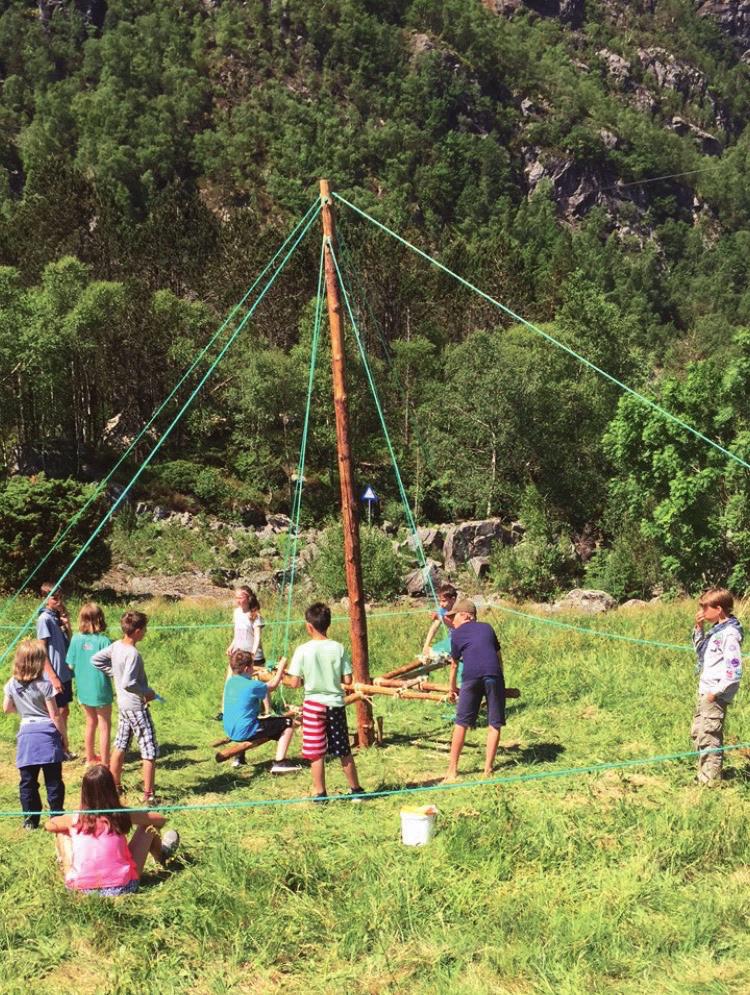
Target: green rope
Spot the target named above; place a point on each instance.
(103, 483)
(157, 446)
(373, 389)
(593, 632)
(420, 789)
(550, 338)
(600, 633)
(293, 533)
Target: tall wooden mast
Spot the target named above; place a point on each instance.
(349, 512)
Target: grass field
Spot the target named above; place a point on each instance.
(625, 881)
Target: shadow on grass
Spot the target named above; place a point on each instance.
(536, 753)
(156, 875)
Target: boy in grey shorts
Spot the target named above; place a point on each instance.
(122, 661)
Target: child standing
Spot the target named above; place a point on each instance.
(720, 668)
(96, 856)
(243, 698)
(446, 595)
(122, 661)
(41, 742)
(94, 687)
(53, 628)
(476, 644)
(248, 626)
(322, 666)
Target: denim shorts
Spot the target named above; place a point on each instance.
(470, 698)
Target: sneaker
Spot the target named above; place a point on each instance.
(357, 795)
(239, 760)
(169, 843)
(30, 823)
(219, 717)
(67, 757)
(320, 799)
(284, 767)
(152, 800)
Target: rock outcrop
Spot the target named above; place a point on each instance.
(733, 18)
(568, 11)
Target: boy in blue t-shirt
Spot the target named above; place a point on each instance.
(476, 644)
(244, 697)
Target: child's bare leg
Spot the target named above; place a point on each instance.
(115, 765)
(64, 848)
(350, 771)
(144, 841)
(457, 744)
(493, 738)
(64, 712)
(90, 733)
(283, 744)
(104, 721)
(149, 776)
(318, 771)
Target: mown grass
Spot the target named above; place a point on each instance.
(625, 881)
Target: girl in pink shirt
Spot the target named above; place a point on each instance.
(96, 855)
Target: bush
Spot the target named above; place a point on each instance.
(33, 512)
(628, 569)
(542, 562)
(381, 567)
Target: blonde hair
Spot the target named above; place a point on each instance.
(91, 618)
(29, 661)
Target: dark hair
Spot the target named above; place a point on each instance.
(91, 618)
(47, 588)
(319, 617)
(98, 791)
(718, 597)
(240, 660)
(448, 590)
(131, 621)
(252, 598)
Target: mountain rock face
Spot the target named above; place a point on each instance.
(568, 11)
(733, 18)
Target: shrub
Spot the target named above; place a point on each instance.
(542, 562)
(628, 569)
(33, 512)
(381, 567)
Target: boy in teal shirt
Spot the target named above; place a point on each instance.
(321, 664)
(244, 696)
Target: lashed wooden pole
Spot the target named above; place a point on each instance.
(349, 513)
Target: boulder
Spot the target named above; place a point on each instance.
(279, 523)
(634, 603)
(431, 540)
(470, 539)
(588, 602)
(480, 565)
(415, 582)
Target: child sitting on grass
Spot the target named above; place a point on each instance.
(41, 743)
(122, 661)
(476, 644)
(243, 698)
(96, 856)
(321, 664)
(719, 667)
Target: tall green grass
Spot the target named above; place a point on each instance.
(626, 881)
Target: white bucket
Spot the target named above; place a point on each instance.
(418, 825)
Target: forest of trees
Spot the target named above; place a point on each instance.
(592, 176)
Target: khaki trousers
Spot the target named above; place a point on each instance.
(708, 732)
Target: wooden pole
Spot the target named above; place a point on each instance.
(349, 513)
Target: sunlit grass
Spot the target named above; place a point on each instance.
(625, 881)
